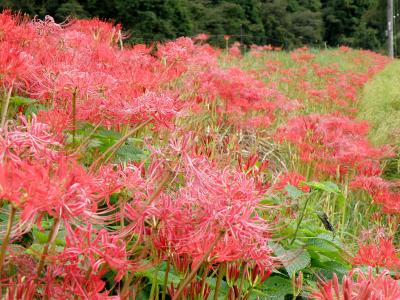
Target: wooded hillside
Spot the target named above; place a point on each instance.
(286, 23)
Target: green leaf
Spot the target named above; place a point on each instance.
(293, 260)
(275, 287)
(321, 245)
(103, 133)
(35, 249)
(296, 260)
(129, 153)
(271, 200)
(34, 109)
(19, 100)
(39, 237)
(341, 200)
(94, 143)
(326, 186)
(331, 239)
(149, 273)
(330, 267)
(293, 191)
(327, 246)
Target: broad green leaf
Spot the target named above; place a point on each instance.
(293, 191)
(129, 153)
(296, 260)
(39, 237)
(327, 186)
(35, 249)
(271, 200)
(275, 287)
(331, 239)
(94, 143)
(321, 245)
(328, 247)
(109, 134)
(341, 200)
(293, 260)
(34, 109)
(19, 100)
(329, 267)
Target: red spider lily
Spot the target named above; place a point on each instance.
(69, 190)
(11, 183)
(189, 221)
(291, 178)
(30, 140)
(58, 120)
(234, 50)
(194, 291)
(161, 108)
(363, 287)
(201, 37)
(254, 122)
(238, 89)
(302, 55)
(12, 64)
(20, 288)
(382, 255)
(216, 201)
(91, 66)
(62, 281)
(111, 179)
(96, 251)
(380, 191)
(63, 190)
(332, 142)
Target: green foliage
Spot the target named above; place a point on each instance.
(357, 23)
(293, 260)
(154, 20)
(380, 106)
(287, 23)
(102, 139)
(275, 287)
(71, 8)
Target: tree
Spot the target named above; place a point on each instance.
(71, 8)
(152, 20)
(288, 23)
(292, 23)
(342, 18)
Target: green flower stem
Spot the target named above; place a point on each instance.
(192, 274)
(6, 239)
(50, 241)
(164, 292)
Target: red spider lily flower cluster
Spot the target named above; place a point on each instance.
(382, 191)
(105, 82)
(358, 286)
(186, 205)
(291, 178)
(335, 144)
(378, 255)
(190, 220)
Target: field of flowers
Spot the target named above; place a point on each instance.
(181, 171)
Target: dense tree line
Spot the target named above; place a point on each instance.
(287, 23)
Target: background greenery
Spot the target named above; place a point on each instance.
(286, 23)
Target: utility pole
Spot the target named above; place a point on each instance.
(241, 37)
(390, 27)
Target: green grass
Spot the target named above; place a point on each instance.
(380, 105)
